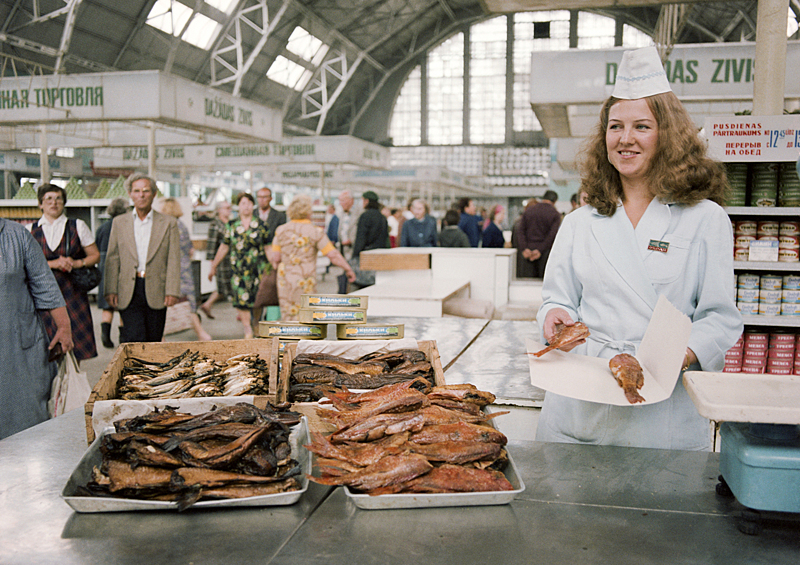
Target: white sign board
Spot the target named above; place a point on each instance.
(137, 95)
(332, 150)
(722, 71)
(754, 138)
(30, 163)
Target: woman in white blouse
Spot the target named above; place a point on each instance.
(67, 245)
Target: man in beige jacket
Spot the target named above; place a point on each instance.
(143, 264)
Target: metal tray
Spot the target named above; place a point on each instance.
(439, 500)
(82, 474)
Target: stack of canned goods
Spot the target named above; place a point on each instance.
(744, 231)
(764, 190)
(789, 241)
(768, 295)
(790, 186)
(737, 179)
(776, 353)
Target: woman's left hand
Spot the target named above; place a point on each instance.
(62, 264)
(351, 275)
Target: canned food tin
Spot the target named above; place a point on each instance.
(753, 370)
(779, 371)
(776, 338)
(789, 242)
(746, 227)
(743, 241)
(790, 296)
(333, 301)
(769, 309)
(292, 330)
(781, 363)
(755, 336)
(782, 347)
(332, 315)
(756, 349)
(732, 369)
(771, 282)
(788, 255)
(748, 294)
(791, 282)
(747, 308)
(747, 280)
(759, 363)
(369, 331)
(741, 253)
(770, 296)
(790, 309)
(767, 227)
(789, 228)
(773, 353)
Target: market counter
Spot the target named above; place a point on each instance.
(582, 504)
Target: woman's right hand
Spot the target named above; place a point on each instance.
(212, 271)
(555, 318)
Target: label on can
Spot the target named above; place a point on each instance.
(755, 336)
(748, 280)
(770, 296)
(789, 228)
(791, 282)
(748, 308)
(746, 227)
(767, 227)
(788, 255)
(765, 309)
(790, 296)
(748, 294)
(743, 241)
(790, 309)
(741, 253)
(779, 370)
(788, 242)
(771, 282)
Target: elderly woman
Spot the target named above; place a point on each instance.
(246, 239)
(171, 207)
(216, 233)
(27, 287)
(67, 244)
(419, 231)
(294, 253)
(118, 206)
(492, 234)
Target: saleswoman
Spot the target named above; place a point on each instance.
(67, 244)
(653, 227)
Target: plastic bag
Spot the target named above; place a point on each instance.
(70, 388)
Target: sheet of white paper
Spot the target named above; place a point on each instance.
(660, 354)
(353, 349)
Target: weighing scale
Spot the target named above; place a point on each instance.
(760, 438)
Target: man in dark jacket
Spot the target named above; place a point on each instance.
(469, 222)
(536, 232)
(372, 233)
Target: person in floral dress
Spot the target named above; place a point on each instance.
(294, 253)
(246, 239)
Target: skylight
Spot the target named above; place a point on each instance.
(288, 73)
(226, 6)
(171, 17)
(306, 46)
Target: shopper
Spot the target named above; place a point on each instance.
(372, 233)
(536, 232)
(492, 235)
(216, 233)
(469, 222)
(294, 253)
(648, 179)
(246, 240)
(67, 245)
(419, 231)
(267, 214)
(29, 287)
(394, 225)
(117, 207)
(348, 226)
(143, 264)
(451, 235)
(171, 207)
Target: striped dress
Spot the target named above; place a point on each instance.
(77, 302)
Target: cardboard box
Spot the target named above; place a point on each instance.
(333, 301)
(308, 409)
(107, 388)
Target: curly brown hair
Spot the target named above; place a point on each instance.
(680, 171)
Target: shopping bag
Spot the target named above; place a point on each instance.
(268, 290)
(70, 388)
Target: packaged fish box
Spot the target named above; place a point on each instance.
(332, 315)
(351, 351)
(369, 331)
(107, 400)
(333, 301)
(292, 330)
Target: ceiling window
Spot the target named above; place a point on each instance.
(487, 93)
(446, 92)
(303, 52)
(172, 17)
(405, 126)
(226, 6)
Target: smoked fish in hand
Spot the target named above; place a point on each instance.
(565, 336)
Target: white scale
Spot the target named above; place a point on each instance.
(760, 438)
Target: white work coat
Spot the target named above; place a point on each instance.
(602, 273)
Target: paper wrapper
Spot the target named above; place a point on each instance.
(355, 349)
(660, 354)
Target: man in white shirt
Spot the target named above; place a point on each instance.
(143, 264)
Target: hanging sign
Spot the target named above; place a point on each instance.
(754, 138)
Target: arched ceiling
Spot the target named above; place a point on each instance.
(373, 44)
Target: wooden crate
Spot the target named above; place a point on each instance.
(308, 409)
(107, 388)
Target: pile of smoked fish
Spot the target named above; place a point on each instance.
(397, 439)
(191, 374)
(313, 374)
(231, 452)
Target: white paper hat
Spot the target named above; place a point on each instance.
(640, 74)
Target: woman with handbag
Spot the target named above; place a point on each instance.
(70, 250)
(294, 255)
(27, 287)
